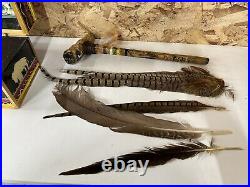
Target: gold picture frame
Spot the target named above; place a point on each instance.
(25, 15)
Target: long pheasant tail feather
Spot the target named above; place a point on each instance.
(185, 81)
(156, 107)
(153, 156)
(59, 80)
(77, 72)
(165, 106)
(81, 104)
(218, 108)
(48, 75)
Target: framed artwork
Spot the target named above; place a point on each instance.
(17, 18)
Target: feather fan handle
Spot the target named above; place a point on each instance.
(81, 104)
(155, 156)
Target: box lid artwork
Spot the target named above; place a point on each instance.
(10, 48)
(20, 65)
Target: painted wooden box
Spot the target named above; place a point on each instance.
(19, 67)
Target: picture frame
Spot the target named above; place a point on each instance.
(17, 18)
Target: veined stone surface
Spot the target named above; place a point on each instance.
(196, 23)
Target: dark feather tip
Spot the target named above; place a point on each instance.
(65, 173)
(68, 173)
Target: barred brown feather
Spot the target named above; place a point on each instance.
(192, 80)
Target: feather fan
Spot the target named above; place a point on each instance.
(78, 102)
(155, 156)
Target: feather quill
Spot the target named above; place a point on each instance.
(156, 156)
(78, 102)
